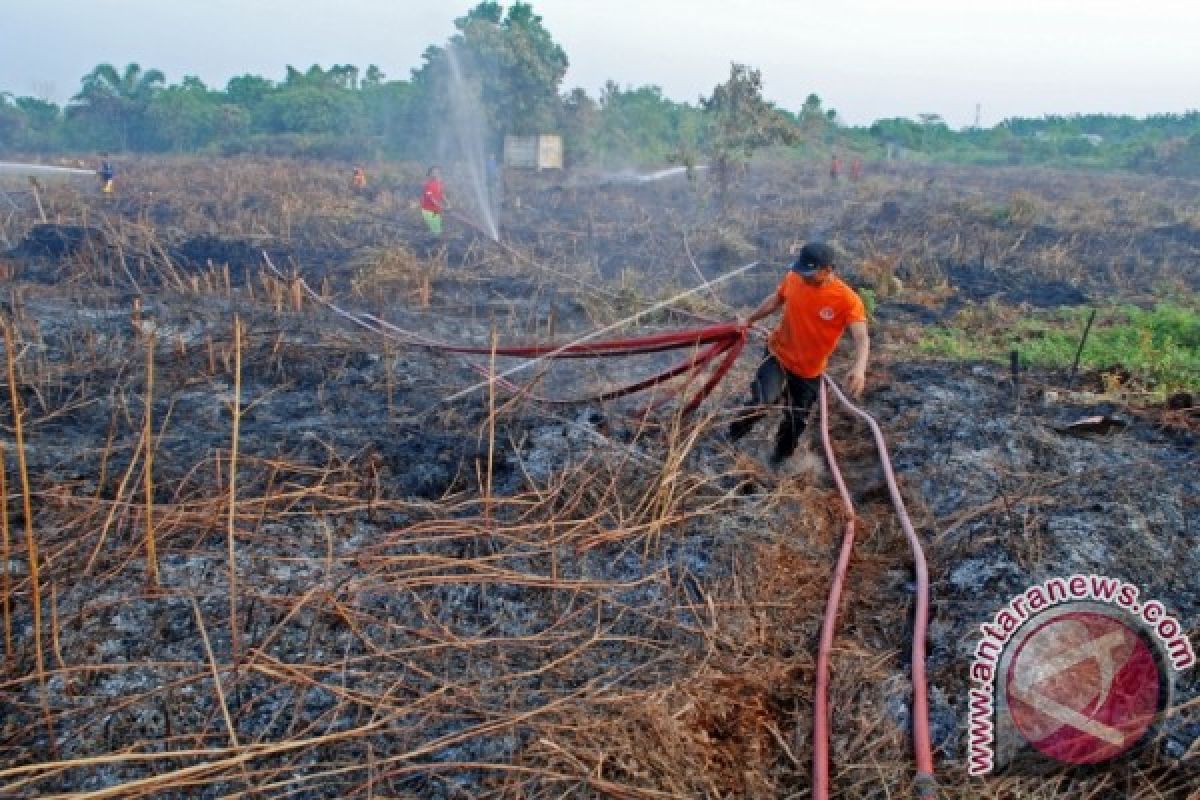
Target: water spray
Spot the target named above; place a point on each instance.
(468, 124)
(12, 169)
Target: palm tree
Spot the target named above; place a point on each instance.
(119, 100)
(132, 84)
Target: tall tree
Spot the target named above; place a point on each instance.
(387, 104)
(28, 123)
(310, 109)
(339, 76)
(373, 77)
(116, 103)
(506, 61)
(190, 116)
(740, 122)
(318, 100)
(43, 115)
(637, 124)
(248, 90)
(579, 121)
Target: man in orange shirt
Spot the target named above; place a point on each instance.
(817, 307)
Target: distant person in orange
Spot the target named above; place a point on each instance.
(835, 168)
(856, 169)
(358, 181)
(817, 308)
(433, 201)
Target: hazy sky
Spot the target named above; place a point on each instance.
(866, 58)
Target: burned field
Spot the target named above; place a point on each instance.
(255, 549)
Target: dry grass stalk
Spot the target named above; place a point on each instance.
(5, 550)
(491, 422)
(295, 292)
(216, 674)
(55, 638)
(31, 547)
(231, 527)
(425, 291)
(117, 506)
(148, 469)
(35, 187)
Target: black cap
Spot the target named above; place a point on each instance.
(814, 256)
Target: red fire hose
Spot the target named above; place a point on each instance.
(722, 339)
(720, 344)
(922, 747)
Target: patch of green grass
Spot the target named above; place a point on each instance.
(1158, 347)
(953, 343)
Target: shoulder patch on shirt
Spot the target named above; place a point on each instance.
(826, 313)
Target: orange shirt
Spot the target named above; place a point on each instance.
(813, 320)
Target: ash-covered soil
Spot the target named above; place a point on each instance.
(395, 588)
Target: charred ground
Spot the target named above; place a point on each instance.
(490, 596)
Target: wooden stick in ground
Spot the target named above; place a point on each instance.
(1079, 351)
(31, 548)
(233, 453)
(148, 470)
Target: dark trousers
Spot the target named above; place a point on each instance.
(774, 385)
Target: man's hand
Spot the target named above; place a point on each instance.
(856, 381)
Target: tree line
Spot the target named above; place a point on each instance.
(511, 68)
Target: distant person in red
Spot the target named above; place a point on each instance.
(358, 180)
(433, 201)
(856, 169)
(835, 168)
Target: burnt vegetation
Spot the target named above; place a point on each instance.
(260, 539)
(269, 555)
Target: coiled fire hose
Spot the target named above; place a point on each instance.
(716, 344)
(720, 344)
(922, 747)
